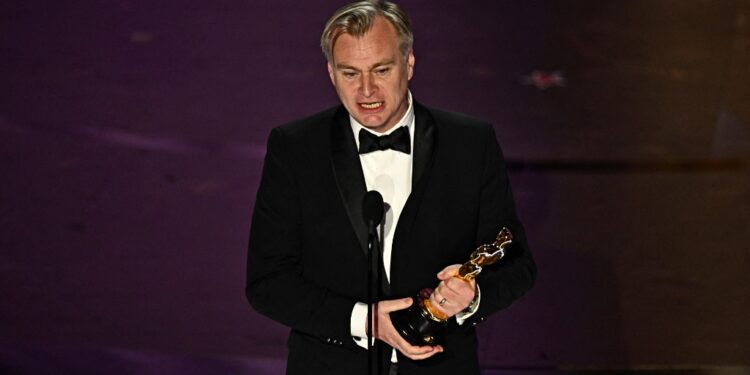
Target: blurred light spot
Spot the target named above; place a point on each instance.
(544, 80)
(141, 37)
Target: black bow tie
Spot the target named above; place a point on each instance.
(399, 140)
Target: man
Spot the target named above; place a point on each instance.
(446, 191)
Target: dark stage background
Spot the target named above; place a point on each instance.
(132, 135)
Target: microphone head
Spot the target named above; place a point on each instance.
(372, 207)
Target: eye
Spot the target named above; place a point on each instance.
(349, 75)
(382, 71)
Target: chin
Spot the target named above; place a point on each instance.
(371, 124)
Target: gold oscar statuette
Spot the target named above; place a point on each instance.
(421, 323)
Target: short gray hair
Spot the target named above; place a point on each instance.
(358, 17)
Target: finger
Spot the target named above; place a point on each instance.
(436, 297)
(403, 346)
(395, 339)
(448, 272)
(436, 292)
(416, 352)
(457, 300)
(395, 304)
(460, 288)
(419, 357)
(450, 292)
(444, 290)
(455, 282)
(451, 298)
(444, 308)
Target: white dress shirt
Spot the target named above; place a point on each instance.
(389, 172)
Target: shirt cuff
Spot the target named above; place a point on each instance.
(358, 324)
(466, 314)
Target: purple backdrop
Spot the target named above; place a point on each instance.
(132, 135)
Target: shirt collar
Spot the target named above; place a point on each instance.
(407, 120)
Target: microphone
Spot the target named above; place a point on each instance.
(372, 208)
(372, 213)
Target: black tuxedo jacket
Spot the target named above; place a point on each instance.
(307, 263)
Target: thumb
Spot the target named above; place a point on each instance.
(396, 304)
(448, 272)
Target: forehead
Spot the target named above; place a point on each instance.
(381, 41)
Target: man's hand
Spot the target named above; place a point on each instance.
(385, 331)
(454, 293)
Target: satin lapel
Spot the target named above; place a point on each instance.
(424, 144)
(348, 172)
(425, 139)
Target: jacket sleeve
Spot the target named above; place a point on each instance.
(275, 285)
(513, 276)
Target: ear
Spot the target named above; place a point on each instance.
(410, 64)
(330, 73)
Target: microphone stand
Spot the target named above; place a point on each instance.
(372, 212)
(373, 293)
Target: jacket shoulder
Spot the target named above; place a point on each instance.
(310, 125)
(460, 122)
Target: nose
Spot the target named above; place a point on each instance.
(367, 85)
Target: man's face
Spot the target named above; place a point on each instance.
(371, 76)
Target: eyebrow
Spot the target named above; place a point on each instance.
(374, 66)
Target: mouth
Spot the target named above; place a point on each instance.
(371, 106)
